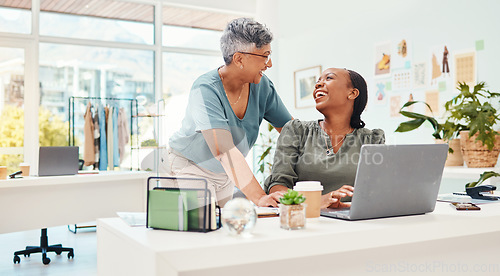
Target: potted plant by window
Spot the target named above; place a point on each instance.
(292, 210)
(266, 145)
(473, 116)
(443, 133)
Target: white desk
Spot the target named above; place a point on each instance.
(41, 202)
(445, 242)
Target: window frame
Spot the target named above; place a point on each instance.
(30, 43)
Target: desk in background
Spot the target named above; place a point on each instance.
(41, 202)
(443, 242)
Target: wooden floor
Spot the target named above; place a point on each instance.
(83, 243)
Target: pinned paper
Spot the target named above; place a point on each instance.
(388, 86)
(465, 68)
(395, 105)
(442, 86)
(479, 45)
(432, 99)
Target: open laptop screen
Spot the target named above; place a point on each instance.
(54, 161)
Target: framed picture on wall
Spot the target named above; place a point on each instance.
(305, 79)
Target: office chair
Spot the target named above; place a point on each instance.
(44, 248)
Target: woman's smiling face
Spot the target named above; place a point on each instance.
(255, 62)
(333, 88)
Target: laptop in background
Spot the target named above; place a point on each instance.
(395, 180)
(54, 161)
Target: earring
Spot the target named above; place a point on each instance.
(241, 66)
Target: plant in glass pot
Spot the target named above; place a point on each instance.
(474, 117)
(443, 133)
(292, 210)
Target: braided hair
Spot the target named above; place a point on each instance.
(359, 83)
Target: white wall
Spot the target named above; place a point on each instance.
(334, 33)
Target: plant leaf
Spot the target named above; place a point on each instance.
(410, 125)
(482, 178)
(264, 154)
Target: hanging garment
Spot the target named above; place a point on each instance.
(123, 133)
(97, 135)
(109, 128)
(116, 153)
(103, 154)
(88, 131)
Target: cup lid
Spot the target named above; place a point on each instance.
(308, 186)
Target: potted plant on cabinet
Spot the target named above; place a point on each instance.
(443, 133)
(474, 117)
(292, 210)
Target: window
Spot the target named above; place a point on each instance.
(175, 36)
(70, 70)
(108, 20)
(81, 71)
(11, 107)
(16, 19)
(85, 27)
(98, 48)
(179, 73)
(189, 28)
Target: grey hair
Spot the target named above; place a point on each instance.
(242, 34)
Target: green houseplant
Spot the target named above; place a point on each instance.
(418, 119)
(292, 210)
(265, 146)
(445, 132)
(473, 116)
(469, 115)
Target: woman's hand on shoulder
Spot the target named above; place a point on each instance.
(332, 199)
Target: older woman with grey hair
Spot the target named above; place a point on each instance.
(225, 109)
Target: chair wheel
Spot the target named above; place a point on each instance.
(17, 259)
(58, 252)
(26, 255)
(45, 261)
(71, 255)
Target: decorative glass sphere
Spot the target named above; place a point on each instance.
(239, 217)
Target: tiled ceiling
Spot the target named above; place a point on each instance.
(176, 16)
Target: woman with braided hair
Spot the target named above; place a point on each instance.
(326, 150)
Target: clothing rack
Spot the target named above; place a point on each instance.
(71, 130)
(133, 114)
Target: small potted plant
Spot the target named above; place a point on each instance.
(292, 210)
(474, 117)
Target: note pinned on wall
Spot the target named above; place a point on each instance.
(401, 80)
(479, 45)
(432, 99)
(395, 106)
(419, 75)
(465, 68)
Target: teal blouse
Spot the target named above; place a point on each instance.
(301, 155)
(208, 108)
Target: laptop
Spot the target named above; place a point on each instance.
(394, 180)
(54, 161)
